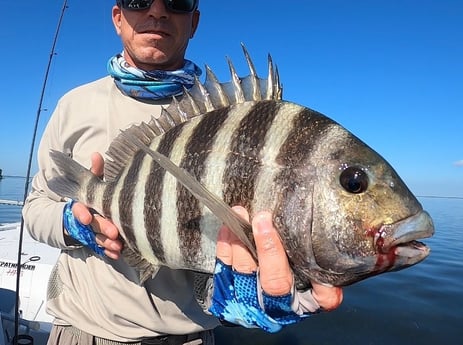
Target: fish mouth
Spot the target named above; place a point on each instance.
(400, 238)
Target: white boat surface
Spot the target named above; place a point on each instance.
(37, 262)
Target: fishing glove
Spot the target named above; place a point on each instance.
(239, 299)
(78, 231)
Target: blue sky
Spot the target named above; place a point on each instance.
(389, 71)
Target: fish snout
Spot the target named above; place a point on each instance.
(402, 236)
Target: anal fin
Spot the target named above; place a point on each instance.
(146, 269)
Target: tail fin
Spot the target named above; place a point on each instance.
(74, 179)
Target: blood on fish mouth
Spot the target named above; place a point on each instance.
(385, 244)
(412, 251)
(398, 242)
(403, 234)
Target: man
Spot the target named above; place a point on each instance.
(96, 299)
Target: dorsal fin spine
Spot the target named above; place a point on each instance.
(205, 96)
(236, 81)
(274, 90)
(194, 106)
(278, 87)
(158, 125)
(212, 83)
(181, 113)
(256, 93)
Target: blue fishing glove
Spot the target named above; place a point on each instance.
(78, 231)
(237, 298)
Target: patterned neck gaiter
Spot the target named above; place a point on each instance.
(151, 85)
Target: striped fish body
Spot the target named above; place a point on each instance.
(341, 210)
(247, 154)
(238, 153)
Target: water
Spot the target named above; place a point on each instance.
(11, 188)
(420, 305)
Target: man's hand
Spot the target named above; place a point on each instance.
(107, 234)
(275, 275)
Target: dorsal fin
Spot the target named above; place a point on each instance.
(212, 95)
(200, 99)
(121, 151)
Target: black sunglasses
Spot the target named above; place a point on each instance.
(176, 6)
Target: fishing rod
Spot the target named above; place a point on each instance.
(28, 174)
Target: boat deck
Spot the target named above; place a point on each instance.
(37, 260)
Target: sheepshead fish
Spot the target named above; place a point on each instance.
(341, 210)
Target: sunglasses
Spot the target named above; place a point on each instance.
(176, 6)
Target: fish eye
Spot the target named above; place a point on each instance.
(354, 180)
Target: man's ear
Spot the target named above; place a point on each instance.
(117, 18)
(194, 22)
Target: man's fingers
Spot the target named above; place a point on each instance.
(243, 261)
(107, 234)
(328, 298)
(230, 249)
(112, 248)
(275, 274)
(98, 223)
(97, 164)
(224, 250)
(105, 227)
(82, 213)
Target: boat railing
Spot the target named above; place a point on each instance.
(11, 202)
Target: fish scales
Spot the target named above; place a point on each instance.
(118, 211)
(171, 145)
(275, 138)
(194, 144)
(198, 147)
(341, 210)
(213, 178)
(126, 199)
(240, 174)
(107, 200)
(329, 148)
(240, 169)
(160, 193)
(150, 191)
(189, 145)
(91, 189)
(243, 161)
(148, 242)
(173, 204)
(301, 157)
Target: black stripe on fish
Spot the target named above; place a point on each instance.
(308, 128)
(107, 199)
(153, 195)
(91, 191)
(243, 163)
(197, 150)
(126, 200)
(152, 210)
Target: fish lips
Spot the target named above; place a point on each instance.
(401, 237)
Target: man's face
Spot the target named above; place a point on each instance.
(154, 38)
